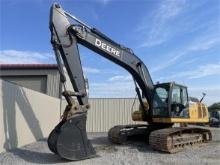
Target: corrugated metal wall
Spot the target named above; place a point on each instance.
(53, 83)
(108, 112)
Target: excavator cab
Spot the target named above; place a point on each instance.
(171, 104)
(170, 100)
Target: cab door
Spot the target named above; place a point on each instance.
(160, 102)
(179, 107)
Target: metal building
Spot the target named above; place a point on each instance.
(43, 78)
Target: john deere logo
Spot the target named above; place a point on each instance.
(106, 47)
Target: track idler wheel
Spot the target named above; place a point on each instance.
(69, 139)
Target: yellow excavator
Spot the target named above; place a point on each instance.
(161, 104)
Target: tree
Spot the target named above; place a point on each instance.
(214, 107)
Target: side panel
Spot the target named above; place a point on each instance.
(198, 113)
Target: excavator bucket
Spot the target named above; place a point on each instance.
(69, 139)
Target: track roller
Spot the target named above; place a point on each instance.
(173, 140)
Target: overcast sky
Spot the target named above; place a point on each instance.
(178, 40)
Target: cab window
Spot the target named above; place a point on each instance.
(160, 102)
(184, 97)
(176, 96)
(179, 103)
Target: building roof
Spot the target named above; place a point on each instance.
(28, 66)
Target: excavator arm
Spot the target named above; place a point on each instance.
(69, 138)
(65, 46)
(66, 36)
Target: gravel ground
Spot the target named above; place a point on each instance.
(135, 153)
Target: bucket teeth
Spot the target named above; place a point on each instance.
(69, 139)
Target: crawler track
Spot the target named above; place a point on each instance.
(173, 140)
(120, 134)
(169, 140)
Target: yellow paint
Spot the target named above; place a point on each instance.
(198, 113)
(137, 116)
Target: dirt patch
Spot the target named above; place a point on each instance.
(106, 149)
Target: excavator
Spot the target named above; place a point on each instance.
(161, 105)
